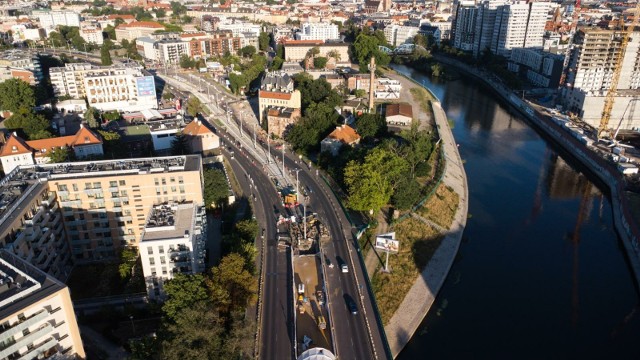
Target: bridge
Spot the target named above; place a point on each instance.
(404, 49)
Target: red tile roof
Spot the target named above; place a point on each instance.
(399, 109)
(15, 146)
(345, 134)
(196, 127)
(141, 24)
(274, 95)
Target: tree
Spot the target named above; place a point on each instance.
(371, 183)
(216, 188)
(276, 64)
(280, 51)
(128, 258)
(366, 46)
(196, 333)
(232, 286)
(334, 54)
(371, 125)
(60, 155)
(360, 93)
(320, 62)
(15, 95)
(406, 194)
(177, 8)
(436, 69)
(319, 120)
(183, 292)
(194, 106)
(186, 19)
(313, 52)
(105, 55)
(112, 144)
(180, 145)
(264, 41)
(160, 13)
(110, 31)
(33, 125)
(248, 51)
(421, 40)
(186, 62)
(91, 118)
(417, 148)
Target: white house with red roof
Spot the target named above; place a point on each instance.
(16, 151)
(201, 138)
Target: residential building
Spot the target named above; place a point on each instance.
(22, 62)
(444, 27)
(137, 29)
(173, 242)
(589, 73)
(464, 30)
(119, 87)
(92, 34)
(7, 73)
(276, 90)
(397, 35)
(85, 143)
(296, 50)
(200, 137)
(342, 135)
(431, 32)
(399, 114)
(163, 133)
(50, 19)
(539, 67)
(169, 51)
(280, 120)
(318, 31)
(237, 27)
(36, 314)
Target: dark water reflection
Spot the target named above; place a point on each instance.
(540, 273)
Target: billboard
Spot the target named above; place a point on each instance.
(387, 242)
(146, 86)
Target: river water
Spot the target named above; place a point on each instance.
(540, 272)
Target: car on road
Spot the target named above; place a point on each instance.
(344, 268)
(351, 304)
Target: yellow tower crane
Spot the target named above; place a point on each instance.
(613, 88)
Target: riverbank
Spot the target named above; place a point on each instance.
(421, 296)
(626, 226)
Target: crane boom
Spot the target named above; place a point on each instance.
(613, 88)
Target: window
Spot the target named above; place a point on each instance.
(113, 183)
(152, 261)
(97, 185)
(122, 183)
(75, 187)
(62, 188)
(149, 248)
(161, 249)
(164, 181)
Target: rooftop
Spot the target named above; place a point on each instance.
(169, 221)
(399, 109)
(22, 284)
(345, 134)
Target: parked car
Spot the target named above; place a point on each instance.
(344, 268)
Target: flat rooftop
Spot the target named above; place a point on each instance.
(169, 221)
(22, 284)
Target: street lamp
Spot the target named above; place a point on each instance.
(133, 327)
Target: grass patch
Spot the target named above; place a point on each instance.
(441, 207)
(422, 97)
(418, 243)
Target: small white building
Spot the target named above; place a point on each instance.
(399, 114)
(163, 133)
(173, 242)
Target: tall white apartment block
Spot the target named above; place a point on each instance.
(318, 31)
(464, 29)
(51, 19)
(173, 242)
(397, 35)
(239, 27)
(122, 87)
(36, 314)
(169, 51)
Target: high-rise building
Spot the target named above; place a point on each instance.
(397, 35)
(36, 315)
(499, 25)
(118, 87)
(589, 73)
(173, 242)
(51, 19)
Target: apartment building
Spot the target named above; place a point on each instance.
(119, 87)
(499, 25)
(36, 314)
(173, 242)
(296, 50)
(589, 72)
(169, 51)
(541, 68)
(397, 35)
(137, 29)
(92, 34)
(276, 90)
(168, 48)
(280, 120)
(15, 152)
(23, 65)
(318, 31)
(237, 27)
(50, 19)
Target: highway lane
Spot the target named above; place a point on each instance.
(276, 339)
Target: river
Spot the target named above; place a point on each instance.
(540, 272)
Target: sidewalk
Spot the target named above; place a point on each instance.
(421, 296)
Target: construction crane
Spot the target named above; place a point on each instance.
(613, 88)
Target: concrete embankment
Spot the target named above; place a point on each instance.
(625, 224)
(421, 296)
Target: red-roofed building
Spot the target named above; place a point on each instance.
(342, 135)
(85, 143)
(200, 137)
(276, 91)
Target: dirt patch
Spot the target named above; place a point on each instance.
(418, 243)
(441, 207)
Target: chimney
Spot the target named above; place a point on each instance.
(372, 80)
(81, 126)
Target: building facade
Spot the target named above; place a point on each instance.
(36, 314)
(296, 50)
(173, 242)
(137, 29)
(22, 62)
(276, 90)
(51, 19)
(92, 34)
(397, 35)
(280, 120)
(318, 31)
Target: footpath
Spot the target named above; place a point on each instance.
(421, 296)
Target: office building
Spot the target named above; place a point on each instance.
(237, 27)
(118, 87)
(276, 90)
(173, 242)
(318, 31)
(36, 314)
(589, 73)
(51, 19)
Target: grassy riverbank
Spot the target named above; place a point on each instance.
(441, 207)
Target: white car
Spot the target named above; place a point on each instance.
(344, 268)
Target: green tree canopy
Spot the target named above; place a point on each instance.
(128, 258)
(232, 285)
(263, 41)
(248, 51)
(406, 194)
(194, 106)
(371, 125)
(180, 145)
(183, 292)
(276, 64)
(16, 95)
(60, 155)
(416, 148)
(319, 120)
(366, 46)
(371, 183)
(186, 62)
(105, 55)
(320, 62)
(33, 125)
(91, 117)
(216, 189)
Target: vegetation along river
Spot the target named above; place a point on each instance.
(541, 272)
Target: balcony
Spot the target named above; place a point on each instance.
(21, 325)
(49, 200)
(38, 350)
